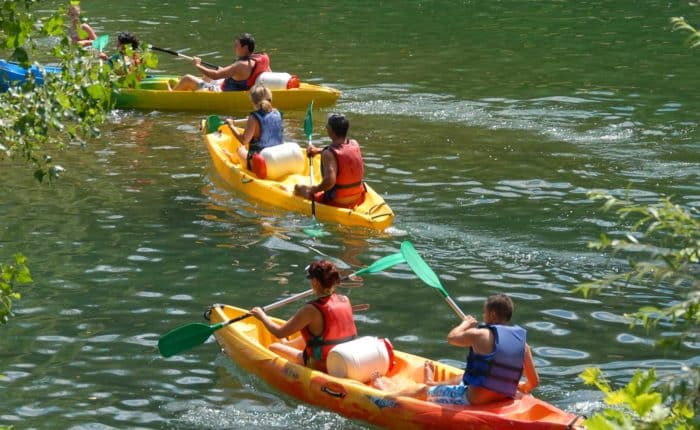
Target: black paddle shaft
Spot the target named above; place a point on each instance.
(177, 54)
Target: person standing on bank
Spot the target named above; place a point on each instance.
(342, 168)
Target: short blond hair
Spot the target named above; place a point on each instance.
(261, 96)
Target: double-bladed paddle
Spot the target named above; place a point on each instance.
(186, 57)
(426, 274)
(191, 335)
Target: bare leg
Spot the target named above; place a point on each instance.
(243, 155)
(429, 373)
(297, 342)
(290, 353)
(408, 388)
(187, 83)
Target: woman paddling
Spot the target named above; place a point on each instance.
(264, 128)
(323, 322)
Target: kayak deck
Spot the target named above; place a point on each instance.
(247, 343)
(153, 94)
(222, 145)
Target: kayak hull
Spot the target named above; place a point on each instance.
(153, 94)
(222, 145)
(246, 343)
(13, 74)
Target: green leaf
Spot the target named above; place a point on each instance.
(54, 25)
(598, 422)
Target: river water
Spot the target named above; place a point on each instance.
(483, 124)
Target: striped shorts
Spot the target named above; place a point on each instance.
(448, 394)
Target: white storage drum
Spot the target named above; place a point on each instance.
(278, 161)
(278, 80)
(361, 359)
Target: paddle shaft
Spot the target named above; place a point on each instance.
(378, 265)
(272, 306)
(191, 335)
(186, 57)
(427, 275)
(455, 308)
(311, 182)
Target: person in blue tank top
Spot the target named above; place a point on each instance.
(497, 358)
(264, 127)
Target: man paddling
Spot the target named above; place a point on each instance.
(237, 76)
(498, 356)
(342, 168)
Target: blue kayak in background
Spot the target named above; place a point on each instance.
(13, 74)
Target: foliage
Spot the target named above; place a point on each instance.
(651, 409)
(678, 23)
(69, 105)
(11, 276)
(662, 247)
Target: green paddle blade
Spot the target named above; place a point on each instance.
(101, 42)
(309, 121)
(213, 123)
(382, 263)
(315, 232)
(183, 338)
(421, 268)
(315, 229)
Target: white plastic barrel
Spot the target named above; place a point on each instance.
(274, 80)
(281, 160)
(360, 359)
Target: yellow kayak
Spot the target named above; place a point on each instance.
(153, 94)
(373, 212)
(247, 343)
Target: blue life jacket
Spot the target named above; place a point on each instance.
(271, 130)
(499, 371)
(271, 133)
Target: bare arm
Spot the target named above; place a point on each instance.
(463, 334)
(330, 170)
(301, 319)
(533, 379)
(238, 70)
(90, 32)
(251, 128)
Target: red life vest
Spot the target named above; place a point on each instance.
(338, 327)
(351, 170)
(262, 64)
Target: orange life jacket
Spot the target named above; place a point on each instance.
(338, 327)
(262, 64)
(348, 179)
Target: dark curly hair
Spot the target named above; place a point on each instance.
(325, 271)
(126, 38)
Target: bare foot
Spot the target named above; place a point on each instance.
(383, 383)
(429, 373)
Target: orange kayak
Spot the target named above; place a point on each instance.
(247, 343)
